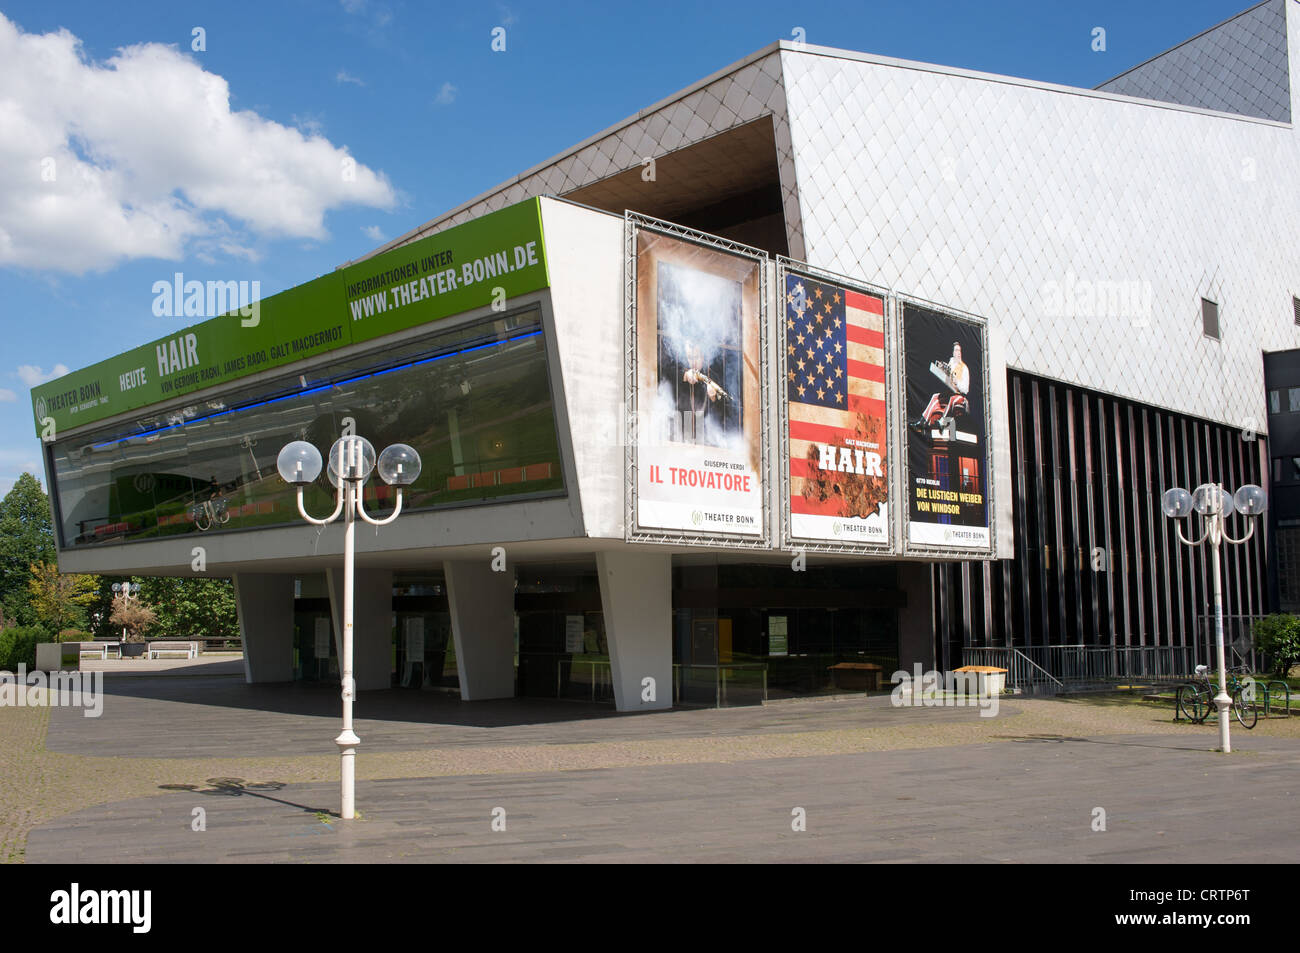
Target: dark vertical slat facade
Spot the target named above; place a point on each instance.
(1096, 562)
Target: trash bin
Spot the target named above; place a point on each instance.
(990, 680)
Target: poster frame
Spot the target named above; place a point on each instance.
(788, 541)
(948, 553)
(634, 223)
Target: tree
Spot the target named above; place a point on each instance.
(26, 538)
(134, 616)
(1278, 637)
(192, 608)
(59, 600)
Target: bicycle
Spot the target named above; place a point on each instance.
(1195, 700)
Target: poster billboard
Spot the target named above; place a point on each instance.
(456, 270)
(835, 411)
(698, 452)
(947, 426)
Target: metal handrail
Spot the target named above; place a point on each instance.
(1040, 668)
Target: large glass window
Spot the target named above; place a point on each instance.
(475, 402)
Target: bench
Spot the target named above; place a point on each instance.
(863, 676)
(186, 649)
(98, 650)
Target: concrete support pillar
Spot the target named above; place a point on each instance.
(372, 620)
(916, 619)
(482, 604)
(636, 591)
(264, 602)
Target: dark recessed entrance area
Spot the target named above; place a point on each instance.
(728, 185)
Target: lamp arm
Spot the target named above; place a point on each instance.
(1179, 530)
(1249, 532)
(361, 508)
(302, 510)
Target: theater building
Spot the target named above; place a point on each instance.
(825, 365)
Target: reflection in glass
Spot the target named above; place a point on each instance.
(474, 403)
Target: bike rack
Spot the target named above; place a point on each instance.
(1285, 691)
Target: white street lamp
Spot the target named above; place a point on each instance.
(1215, 505)
(126, 590)
(351, 461)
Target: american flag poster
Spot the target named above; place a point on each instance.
(834, 340)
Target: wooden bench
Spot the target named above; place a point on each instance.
(188, 649)
(868, 674)
(98, 650)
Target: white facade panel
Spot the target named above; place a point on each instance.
(584, 255)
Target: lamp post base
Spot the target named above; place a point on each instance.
(1223, 703)
(347, 742)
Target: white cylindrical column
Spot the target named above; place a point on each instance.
(1221, 700)
(347, 739)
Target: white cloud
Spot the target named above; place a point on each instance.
(7, 396)
(345, 77)
(31, 374)
(446, 94)
(135, 157)
(308, 125)
(374, 233)
(380, 17)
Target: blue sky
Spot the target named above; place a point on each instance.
(221, 163)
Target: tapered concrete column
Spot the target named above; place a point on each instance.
(482, 604)
(636, 591)
(372, 620)
(916, 619)
(264, 602)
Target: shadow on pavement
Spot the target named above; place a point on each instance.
(322, 700)
(238, 787)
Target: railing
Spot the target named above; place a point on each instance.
(599, 679)
(720, 686)
(1022, 671)
(714, 686)
(1238, 641)
(1053, 667)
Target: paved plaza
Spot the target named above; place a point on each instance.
(438, 780)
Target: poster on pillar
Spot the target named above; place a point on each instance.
(699, 448)
(834, 412)
(945, 391)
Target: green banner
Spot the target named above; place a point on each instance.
(490, 259)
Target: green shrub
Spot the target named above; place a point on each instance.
(18, 646)
(1278, 637)
(74, 635)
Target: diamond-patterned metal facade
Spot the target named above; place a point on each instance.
(1086, 227)
(1240, 66)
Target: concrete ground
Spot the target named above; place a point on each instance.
(574, 783)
